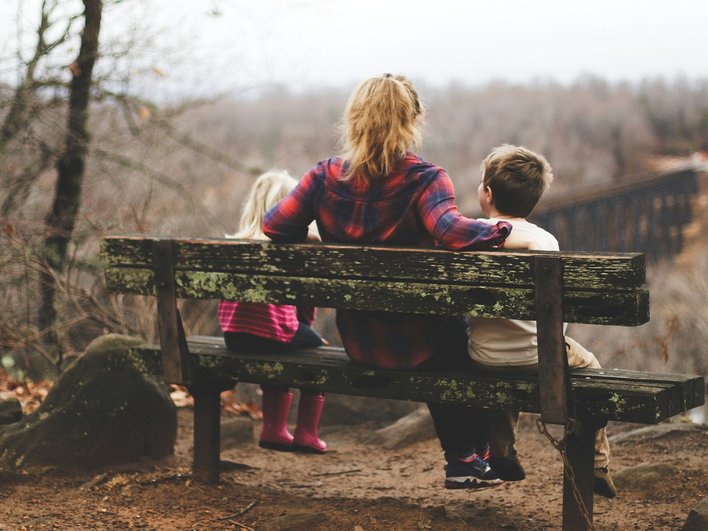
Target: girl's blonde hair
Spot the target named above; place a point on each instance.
(268, 189)
(381, 121)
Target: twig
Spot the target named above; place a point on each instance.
(242, 526)
(95, 481)
(242, 511)
(314, 484)
(337, 473)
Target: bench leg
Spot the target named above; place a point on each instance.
(580, 449)
(207, 429)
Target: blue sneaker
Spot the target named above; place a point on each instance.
(469, 473)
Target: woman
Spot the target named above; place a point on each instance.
(378, 192)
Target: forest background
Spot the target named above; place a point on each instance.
(179, 162)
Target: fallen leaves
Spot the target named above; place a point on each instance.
(30, 394)
(181, 398)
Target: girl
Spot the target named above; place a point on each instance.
(378, 192)
(255, 327)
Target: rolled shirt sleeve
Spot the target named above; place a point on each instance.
(289, 219)
(449, 228)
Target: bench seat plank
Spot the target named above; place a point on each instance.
(590, 307)
(328, 369)
(692, 388)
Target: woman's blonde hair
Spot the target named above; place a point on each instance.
(381, 121)
(268, 189)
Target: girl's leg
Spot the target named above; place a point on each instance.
(277, 399)
(239, 342)
(305, 337)
(308, 419)
(276, 407)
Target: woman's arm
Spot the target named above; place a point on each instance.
(449, 228)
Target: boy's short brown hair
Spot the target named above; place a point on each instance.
(517, 177)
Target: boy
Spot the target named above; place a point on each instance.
(513, 181)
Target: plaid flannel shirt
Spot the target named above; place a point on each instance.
(414, 206)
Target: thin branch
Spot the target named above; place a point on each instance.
(161, 119)
(189, 141)
(239, 513)
(21, 108)
(160, 177)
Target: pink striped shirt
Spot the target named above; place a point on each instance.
(278, 322)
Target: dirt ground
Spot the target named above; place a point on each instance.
(356, 486)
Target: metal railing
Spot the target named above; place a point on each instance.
(643, 214)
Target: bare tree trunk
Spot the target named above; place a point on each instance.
(60, 221)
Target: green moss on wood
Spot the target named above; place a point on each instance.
(629, 308)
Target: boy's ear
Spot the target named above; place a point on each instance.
(490, 195)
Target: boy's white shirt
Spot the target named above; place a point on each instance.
(509, 342)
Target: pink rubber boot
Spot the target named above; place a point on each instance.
(275, 434)
(308, 418)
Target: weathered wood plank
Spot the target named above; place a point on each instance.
(617, 308)
(581, 270)
(329, 370)
(686, 391)
(554, 384)
(690, 389)
(175, 356)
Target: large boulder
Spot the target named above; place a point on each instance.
(10, 410)
(698, 517)
(648, 433)
(236, 432)
(414, 427)
(104, 410)
(345, 410)
(644, 476)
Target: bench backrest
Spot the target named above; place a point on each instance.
(598, 288)
(548, 287)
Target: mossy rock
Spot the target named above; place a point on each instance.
(103, 411)
(645, 475)
(10, 410)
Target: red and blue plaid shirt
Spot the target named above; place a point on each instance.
(414, 206)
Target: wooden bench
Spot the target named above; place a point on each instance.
(602, 289)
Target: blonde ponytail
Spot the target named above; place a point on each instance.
(381, 121)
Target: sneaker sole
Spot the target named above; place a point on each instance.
(471, 482)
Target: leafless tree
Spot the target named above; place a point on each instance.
(71, 165)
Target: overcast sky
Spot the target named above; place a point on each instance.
(231, 44)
